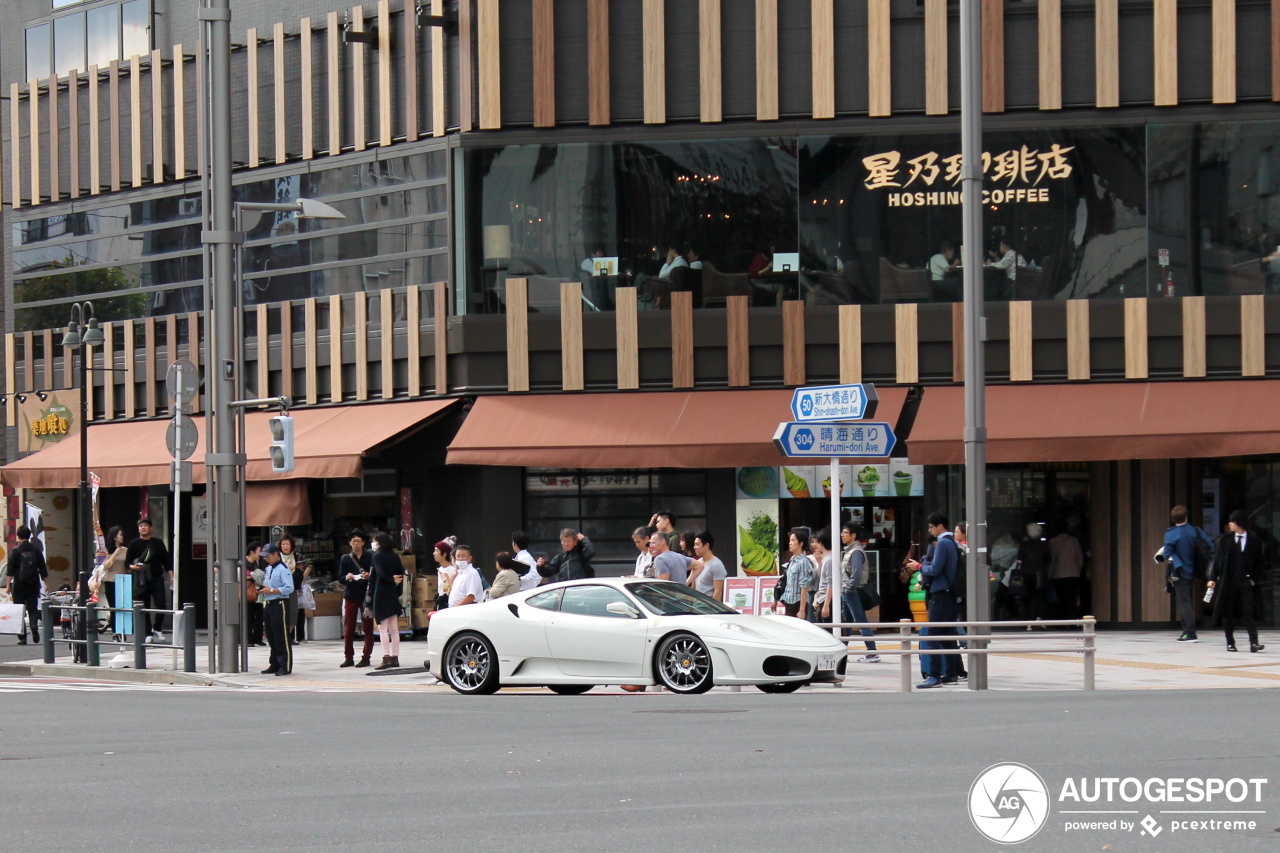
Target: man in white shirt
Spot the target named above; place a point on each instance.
(520, 547)
(644, 562)
(467, 586)
(674, 259)
(943, 263)
(1009, 261)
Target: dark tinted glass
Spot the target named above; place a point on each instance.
(69, 281)
(129, 306)
(672, 599)
(546, 600)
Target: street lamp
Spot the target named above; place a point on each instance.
(74, 339)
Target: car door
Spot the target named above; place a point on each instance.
(588, 640)
(522, 640)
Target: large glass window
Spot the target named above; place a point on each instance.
(68, 44)
(38, 52)
(135, 28)
(104, 35)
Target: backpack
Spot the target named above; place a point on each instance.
(1203, 556)
(27, 579)
(961, 576)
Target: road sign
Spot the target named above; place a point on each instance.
(189, 438)
(834, 403)
(182, 381)
(864, 438)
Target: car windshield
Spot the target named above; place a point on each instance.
(673, 599)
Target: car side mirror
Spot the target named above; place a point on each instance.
(621, 608)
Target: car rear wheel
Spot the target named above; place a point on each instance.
(569, 689)
(683, 664)
(470, 664)
(781, 686)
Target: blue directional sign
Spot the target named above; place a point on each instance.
(864, 438)
(834, 403)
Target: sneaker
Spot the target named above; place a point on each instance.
(928, 683)
(952, 680)
(159, 636)
(963, 676)
(869, 659)
(1188, 638)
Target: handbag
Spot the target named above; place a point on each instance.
(905, 573)
(781, 586)
(306, 598)
(251, 592)
(11, 615)
(869, 597)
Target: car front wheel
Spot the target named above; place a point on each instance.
(683, 664)
(471, 665)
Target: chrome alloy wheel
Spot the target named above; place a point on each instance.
(684, 664)
(469, 665)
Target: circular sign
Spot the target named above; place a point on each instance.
(189, 438)
(182, 381)
(1008, 803)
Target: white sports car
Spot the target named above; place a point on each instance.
(574, 635)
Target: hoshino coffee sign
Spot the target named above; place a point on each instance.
(930, 180)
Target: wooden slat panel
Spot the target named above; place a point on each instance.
(263, 362)
(1050, 54)
(1020, 369)
(628, 338)
(1135, 338)
(108, 363)
(738, 340)
(1078, 363)
(655, 61)
(55, 119)
(850, 343)
(823, 38)
(170, 354)
(879, 59)
(251, 107)
(387, 337)
(544, 63)
(179, 115)
(1106, 52)
(767, 60)
(358, 53)
(489, 71)
(413, 331)
(157, 117)
(149, 364)
(193, 344)
(1193, 337)
(907, 336)
(598, 61)
(466, 103)
(957, 341)
(571, 335)
(410, 49)
(440, 295)
(682, 339)
(200, 114)
(311, 347)
(384, 73)
(73, 132)
(710, 87)
(307, 81)
(1165, 41)
(282, 139)
(333, 76)
(28, 361)
(15, 145)
(361, 325)
(10, 377)
(935, 58)
(1224, 51)
(67, 381)
(33, 138)
(335, 347)
(48, 361)
(135, 120)
(518, 334)
(993, 56)
(437, 73)
(130, 369)
(1253, 331)
(793, 366)
(286, 350)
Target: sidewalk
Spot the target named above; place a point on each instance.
(1140, 660)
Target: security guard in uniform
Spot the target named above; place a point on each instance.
(277, 584)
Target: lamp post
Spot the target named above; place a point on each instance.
(74, 339)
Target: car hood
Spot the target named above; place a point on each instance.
(774, 630)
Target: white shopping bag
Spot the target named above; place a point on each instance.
(11, 618)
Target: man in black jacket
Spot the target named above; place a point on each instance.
(24, 589)
(148, 560)
(1237, 570)
(572, 563)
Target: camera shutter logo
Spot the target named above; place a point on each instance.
(1008, 803)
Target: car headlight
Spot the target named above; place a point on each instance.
(729, 626)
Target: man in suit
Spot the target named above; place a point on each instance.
(1237, 571)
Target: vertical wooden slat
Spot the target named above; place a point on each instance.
(879, 59)
(413, 332)
(170, 355)
(957, 341)
(993, 56)
(73, 132)
(335, 347)
(15, 146)
(1165, 39)
(358, 54)
(1253, 335)
(440, 295)
(823, 39)
(282, 139)
(544, 63)
(29, 361)
(1193, 337)
(626, 324)
(286, 349)
(1078, 363)
(598, 62)
(1224, 51)
(571, 335)
(311, 347)
(793, 366)
(179, 115)
(193, 347)
(263, 361)
(67, 379)
(33, 138)
(907, 335)
(130, 370)
(55, 119)
(307, 81)
(710, 87)
(437, 73)
(489, 71)
(200, 114)
(682, 339)
(1020, 368)
(935, 58)
(47, 379)
(108, 364)
(1050, 12)
(387, 338)
(149, 367)
(518, 334)
(466, 103)
(157, 117)
(767, 60)
(333, 76)
(850, 344)
(10, 378)
(384, 73)
(88, 383)
(410, 70)
(251, 108)
(654, 61)
(361, 325)
(1135, 338)
(738, 340)
(135, 120)
(1106, 52)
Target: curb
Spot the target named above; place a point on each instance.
(102, 673)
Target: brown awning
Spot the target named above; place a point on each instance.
(329, 442)
(282, 502)
(1104, 421)
(665, 429)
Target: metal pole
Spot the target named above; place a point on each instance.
(212, 596)
(904, 659)
(91, 651)
(1089, 651)
(139, 648)
(975, 418)
(833, 591)
(242, 538)
(188, 638)
(177, 514)
(84, 529)
(46, 625)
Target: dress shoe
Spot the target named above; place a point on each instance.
(282, 672)
(395, 661)
(271, 671)
(928, 683)
(346, 663)
(1256, 647)
(1232, 648)
(364, 661)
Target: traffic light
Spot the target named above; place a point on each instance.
(282, 444)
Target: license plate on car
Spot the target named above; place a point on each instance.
(827, 661)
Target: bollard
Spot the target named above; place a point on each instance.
(188, 638)
(92, 655)
(46, 624)
(139, 648)
(1089, 648)
(904, 660)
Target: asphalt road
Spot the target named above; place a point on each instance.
(204, 769)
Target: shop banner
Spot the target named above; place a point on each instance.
(758, 543)
(44, 423)
(756, 483)
(906, 480)
(750, 596)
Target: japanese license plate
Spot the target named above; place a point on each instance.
(827, 661)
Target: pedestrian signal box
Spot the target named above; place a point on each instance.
(282, 444)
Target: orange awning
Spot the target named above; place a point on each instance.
(329, 442)
(664, 429)
(281, 502)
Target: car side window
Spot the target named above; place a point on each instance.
(545, 600)
(593, 601)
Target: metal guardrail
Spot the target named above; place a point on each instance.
(977, 644)
(92, 644)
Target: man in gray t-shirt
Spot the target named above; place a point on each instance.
(668, 564)
(710, 578)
